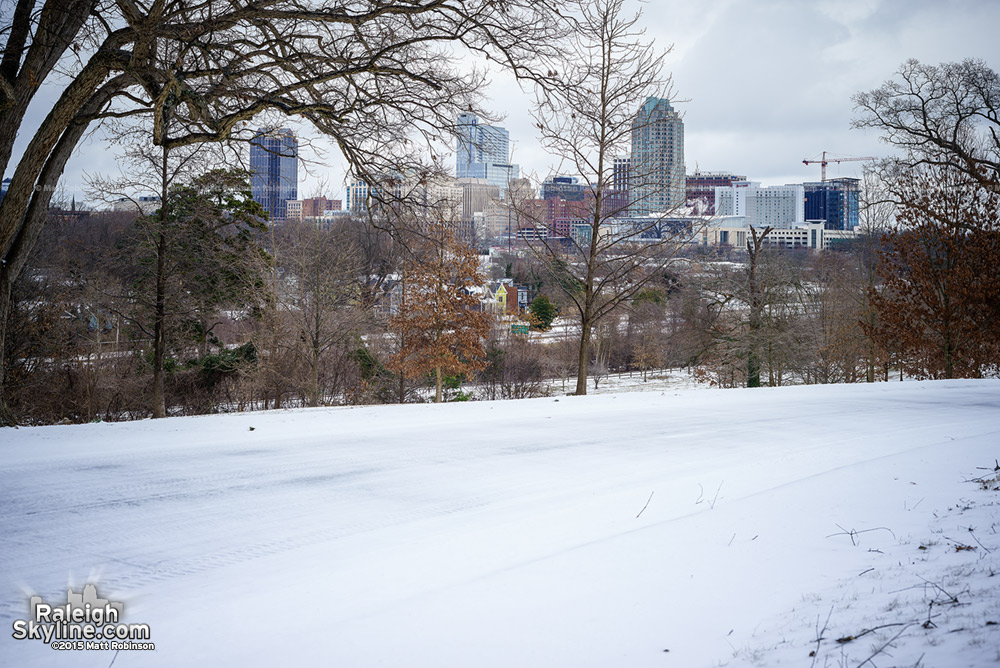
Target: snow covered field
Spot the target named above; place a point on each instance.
(665, 529)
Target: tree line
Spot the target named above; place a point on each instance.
(346, 312)
(202, 306)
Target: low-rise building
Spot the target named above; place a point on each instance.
(811, 234)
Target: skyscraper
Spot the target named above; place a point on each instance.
(834, 201)
(484, 153)
(656, 172)
(274, 170)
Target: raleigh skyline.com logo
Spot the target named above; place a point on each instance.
(85, 621)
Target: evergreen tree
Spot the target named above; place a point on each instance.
(196, 254)
(544, 312)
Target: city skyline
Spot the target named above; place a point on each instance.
(759, 89)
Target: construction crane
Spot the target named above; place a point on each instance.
(825, 161)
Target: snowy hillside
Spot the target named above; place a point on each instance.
(662, 529)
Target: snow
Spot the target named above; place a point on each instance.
(659, 380)
(659, 528)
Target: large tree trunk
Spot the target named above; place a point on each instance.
(159, 325)
(6, 417)
(160, 304)
(438, 385)
(756, 305)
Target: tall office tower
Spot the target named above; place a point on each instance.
(484, 153)
(656, 172)
(835, 201)
(700, 187)
(274, 170)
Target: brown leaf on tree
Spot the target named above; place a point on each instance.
(440, 323)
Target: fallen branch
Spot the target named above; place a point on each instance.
(847, 639)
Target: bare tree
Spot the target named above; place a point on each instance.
(877, 213)
(750, 321)
(946, 116)
(379, 256)
(755, 303)
(321, 266)
(827, 343)
(380, 78)
(514, 367)
(588, 121)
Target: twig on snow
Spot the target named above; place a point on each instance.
(886, 644)
(819, 636)
(853, 533)
(647, 504)
(701, 496)
(953, 599)
(975, 538)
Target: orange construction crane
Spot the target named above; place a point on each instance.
(825, 161)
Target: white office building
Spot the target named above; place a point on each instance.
(773, 206)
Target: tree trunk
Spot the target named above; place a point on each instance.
(160, 308)
(437, 391)
(583, 358)
(949, 366)
(314, 380)
(6, 417)
(159, 325)
(870, 367)
(756, 305)
(316, 351)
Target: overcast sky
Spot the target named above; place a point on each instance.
(764, 84)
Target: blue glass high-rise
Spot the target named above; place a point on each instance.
(834, 201)
(274, 170)
(484, 153)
